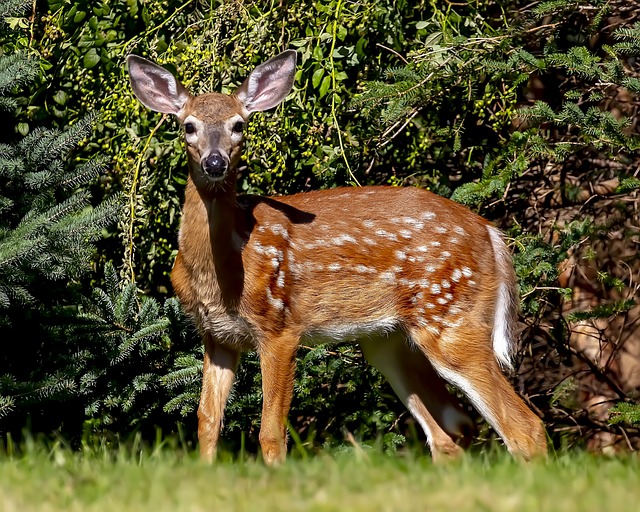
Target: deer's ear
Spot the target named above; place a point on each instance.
(155, 87)
(269, 83)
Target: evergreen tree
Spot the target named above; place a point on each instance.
(47, 230)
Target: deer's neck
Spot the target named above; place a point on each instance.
(210, 240)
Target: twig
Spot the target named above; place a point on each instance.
(394, 52)
(132, 196)
(414, 114)
(333, 93)
(597, 371)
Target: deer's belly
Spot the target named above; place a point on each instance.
(225, 327)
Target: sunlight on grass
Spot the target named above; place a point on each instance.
(58, 479)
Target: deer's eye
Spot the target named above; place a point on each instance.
(189, 128)
(238, 127)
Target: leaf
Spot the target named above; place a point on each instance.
(317, 77)
(91, 58)
(324, 87)
(422, 24)
(433, 39)
(60, 97)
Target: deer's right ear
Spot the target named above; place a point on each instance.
(155, 87)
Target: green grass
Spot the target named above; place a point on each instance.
(164, 480)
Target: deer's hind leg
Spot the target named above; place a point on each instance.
(464, 356)
(422, 391)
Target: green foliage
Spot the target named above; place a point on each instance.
(124, 343)
(625, 412)
(602, 311)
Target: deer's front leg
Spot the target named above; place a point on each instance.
(277, 363)
(219, 369)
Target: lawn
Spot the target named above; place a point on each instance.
(165, 480)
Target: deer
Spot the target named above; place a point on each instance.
(423, 285)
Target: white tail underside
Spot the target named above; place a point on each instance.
(503, 339)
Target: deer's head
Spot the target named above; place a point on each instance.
(213, 123)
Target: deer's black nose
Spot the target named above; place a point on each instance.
(215, 165)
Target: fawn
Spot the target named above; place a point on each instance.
(423, 285)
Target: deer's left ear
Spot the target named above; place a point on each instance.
(269, 83)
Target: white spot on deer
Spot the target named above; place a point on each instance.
(427, 215)
(435, 288)
(422, 322)
(278, 229)
(280, 281)
(460, 230)
(453, 240)
(472, 283)
(368, 224)
(424, 283)
(276, 303)
(430, 268)
(445, 284)
(448, 296)
(263, 228)
(442, 300)
(388, 276)
(414, 223)
(456, 275)
(368, 241)
(429, 305)
(435, 243)
(411, 259)
(401, 255)
(364, 269)
(449, 323)
(422, 248)
(409, 283)
(454, 309)
(433, 329)
(343, 239)
(275, 263)
(269, 250)
(445, 255)
(441, 229)
(405, 233)
(387, 235)
(466, 272)
(334, 267)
